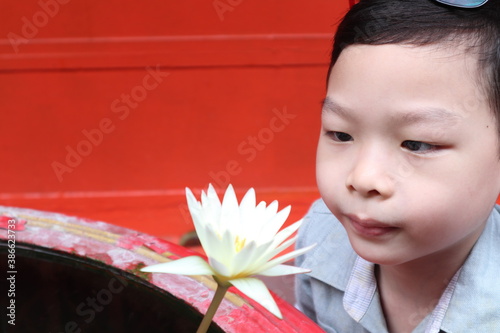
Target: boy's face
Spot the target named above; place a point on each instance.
(408, 156)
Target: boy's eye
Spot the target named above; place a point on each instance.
(417, 146)
(339, 136)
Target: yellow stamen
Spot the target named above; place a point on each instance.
(239, 243)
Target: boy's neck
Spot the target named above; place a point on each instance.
(407, 299)
(410, 291)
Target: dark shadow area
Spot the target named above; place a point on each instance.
(59, 292)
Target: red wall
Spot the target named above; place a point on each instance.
(109, 109)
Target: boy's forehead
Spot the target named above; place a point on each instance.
(407, 56)
(442, 52)
(422, 73)
(457, 50)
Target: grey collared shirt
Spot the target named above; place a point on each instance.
(341, 295)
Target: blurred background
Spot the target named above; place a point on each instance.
(109, 109)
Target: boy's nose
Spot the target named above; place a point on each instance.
(370, 175)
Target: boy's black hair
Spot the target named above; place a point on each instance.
(427, 22)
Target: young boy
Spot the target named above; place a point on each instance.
(408, 167)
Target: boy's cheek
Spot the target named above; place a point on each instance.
(329, 182)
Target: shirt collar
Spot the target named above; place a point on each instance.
(474, 306)
(332, 260)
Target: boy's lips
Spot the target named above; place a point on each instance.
(369, 227)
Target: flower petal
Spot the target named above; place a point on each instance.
(271, 210)
(272, 253)
(260, 211)
(275, 223)
(230, 214)
(244, 258)
(212, 197)
(261, 256)
(204, 199)
(247, 204)
(208, 239)
(287, 232)
(286, 257)
(222, 254)
(257, 290)
(221, 270)
(284, 270)
(193, 206)
(211, 207)
(192, 265)
(248, 261)
(278, 245)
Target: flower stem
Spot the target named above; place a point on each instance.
(218, 297)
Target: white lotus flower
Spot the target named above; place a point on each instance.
(241, 241)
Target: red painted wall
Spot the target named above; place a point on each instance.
(108, 109)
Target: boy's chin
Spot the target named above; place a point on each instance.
(380, 254)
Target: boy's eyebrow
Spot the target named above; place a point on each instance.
(331, 106)
(430, 115)
(426, 115)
